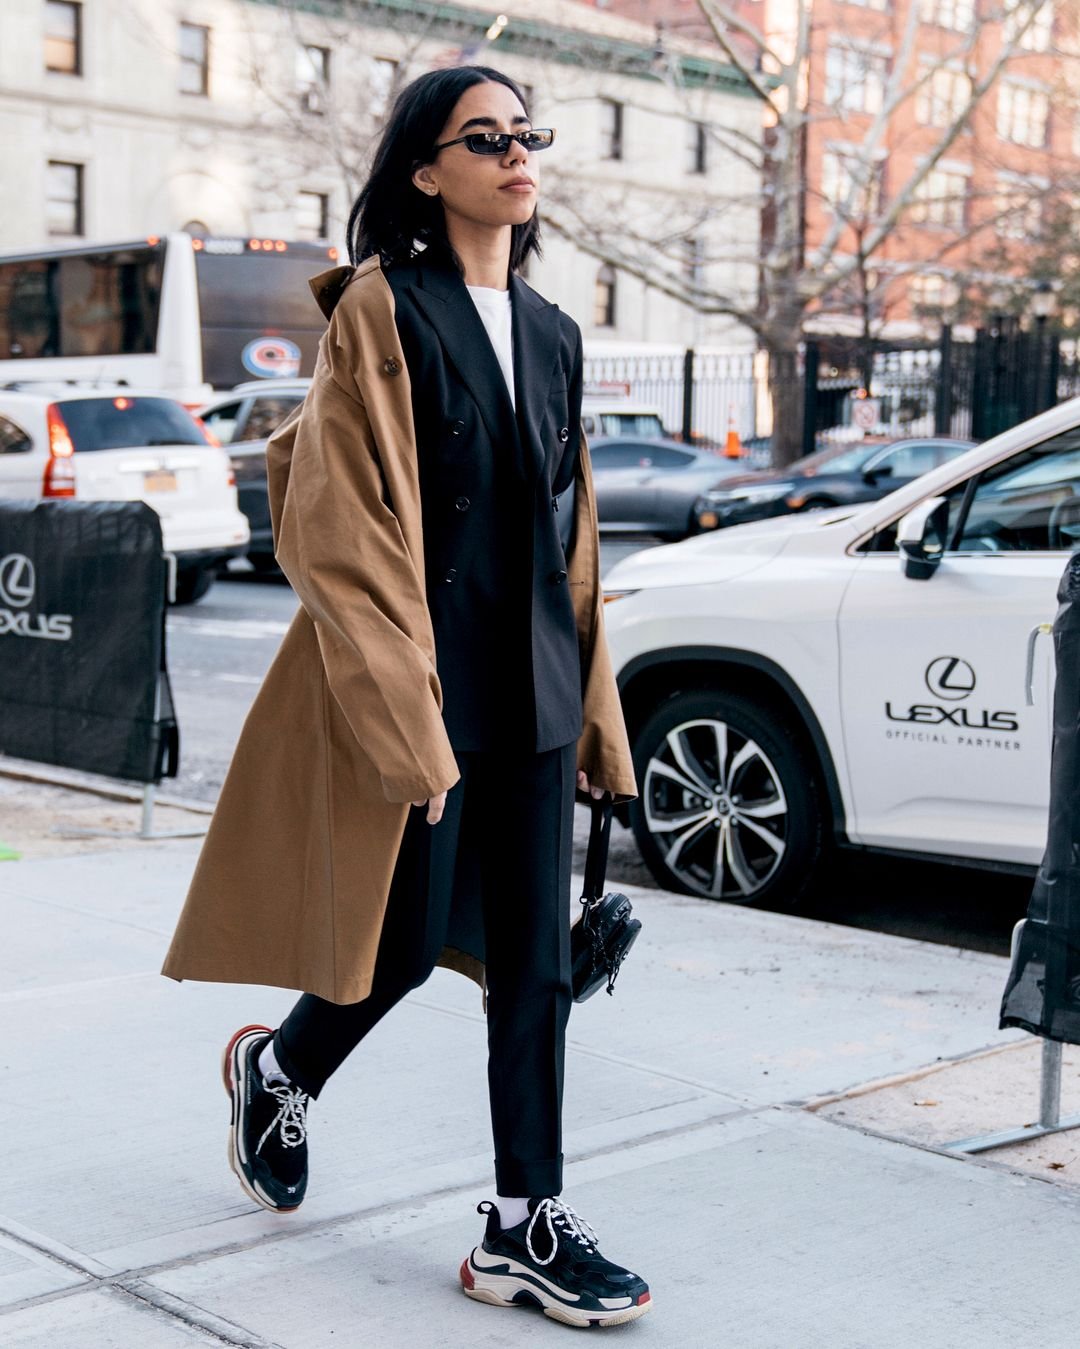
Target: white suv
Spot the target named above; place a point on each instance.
(114, 445)
(871, 677)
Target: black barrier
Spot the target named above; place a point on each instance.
(1042, 994)
(83, 681)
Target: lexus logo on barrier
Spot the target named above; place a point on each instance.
(16, 580)
(950, 678)
(17, 583)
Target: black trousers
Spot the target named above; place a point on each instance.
(493, 876)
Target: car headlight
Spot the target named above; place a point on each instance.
(748, 495)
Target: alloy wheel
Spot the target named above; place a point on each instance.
(716, 809)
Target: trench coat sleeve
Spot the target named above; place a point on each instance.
(603, 749)
(342, 548)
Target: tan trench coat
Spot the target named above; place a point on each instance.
(292, 882)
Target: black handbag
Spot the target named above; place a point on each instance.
(602, 938)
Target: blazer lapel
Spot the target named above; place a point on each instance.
(536, 351)
(442, 296)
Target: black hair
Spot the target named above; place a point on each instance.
(391, 215)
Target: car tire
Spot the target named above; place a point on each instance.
(756, 841)
(264, 563)
(816, 504)
(193, 583)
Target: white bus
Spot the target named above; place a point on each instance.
(175, 314)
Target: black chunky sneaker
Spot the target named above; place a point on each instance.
(268, 1131)
(551, 1260)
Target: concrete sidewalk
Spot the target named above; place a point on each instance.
(759, 1223)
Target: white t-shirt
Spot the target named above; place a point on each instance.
(493, 306)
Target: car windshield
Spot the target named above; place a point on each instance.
(646, 424)
(125, 423)
(836, 460)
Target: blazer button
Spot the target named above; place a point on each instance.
(564, 434)
(392, 365)
(558, 577)
(462, 503)
(456, 428)
(450, 575)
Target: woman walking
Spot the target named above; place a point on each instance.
(402, 794)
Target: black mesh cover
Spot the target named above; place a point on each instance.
(83, 679)
(1042, 994)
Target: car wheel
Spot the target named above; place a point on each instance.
(816, 504)
(193, 583)
(729, 806)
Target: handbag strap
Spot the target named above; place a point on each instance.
(596, 856)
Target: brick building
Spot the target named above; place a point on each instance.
(979, 213)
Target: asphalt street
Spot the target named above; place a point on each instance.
(220, 648)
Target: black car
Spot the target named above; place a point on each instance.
(646, 486)
(838, 476)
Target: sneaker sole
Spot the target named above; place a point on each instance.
(233, 1070)
(519, 1290)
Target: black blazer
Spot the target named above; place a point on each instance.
(495, 529)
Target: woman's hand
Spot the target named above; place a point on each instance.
(435, 807)
(583, 785)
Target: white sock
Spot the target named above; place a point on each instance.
(268, 1064)
(511, 1211)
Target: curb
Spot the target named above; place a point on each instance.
(110, 791)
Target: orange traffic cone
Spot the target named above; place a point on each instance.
(733, 445)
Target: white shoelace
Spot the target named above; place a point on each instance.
(572, 1224)
(291, 1118)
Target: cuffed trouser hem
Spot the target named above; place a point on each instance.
(529, 1180)
(295, 1075)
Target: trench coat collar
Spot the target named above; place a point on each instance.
(441, 293)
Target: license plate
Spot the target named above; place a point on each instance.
(160, 481)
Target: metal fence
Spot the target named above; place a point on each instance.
(848, 389)
(701, 396)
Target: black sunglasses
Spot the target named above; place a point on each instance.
(498, 142)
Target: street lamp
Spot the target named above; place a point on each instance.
(1043, 303)
(1043, 307)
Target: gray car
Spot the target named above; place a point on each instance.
(243, 421)
(650, 486)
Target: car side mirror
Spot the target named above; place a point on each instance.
(871, 475)
(921, 537)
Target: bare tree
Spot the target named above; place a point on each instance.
(847, 258)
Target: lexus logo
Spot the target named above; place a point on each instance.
(950, 678)
(16, 580)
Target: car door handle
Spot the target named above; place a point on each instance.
(1038, 631)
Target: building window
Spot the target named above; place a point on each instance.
(943, 95)
(1018, 206)
(1036, 37)
(312, 77)
(611, 129)
(941, 198)
(604, 304)
(1022, 112)
(882, 5)
(63, 37)
(932, 293)
(855, 77)
(959, 15)
(697, 148)
(839, 170)
(384, 74)
(312, 216)
(693, 265)
(194, 59)
(64, 198)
